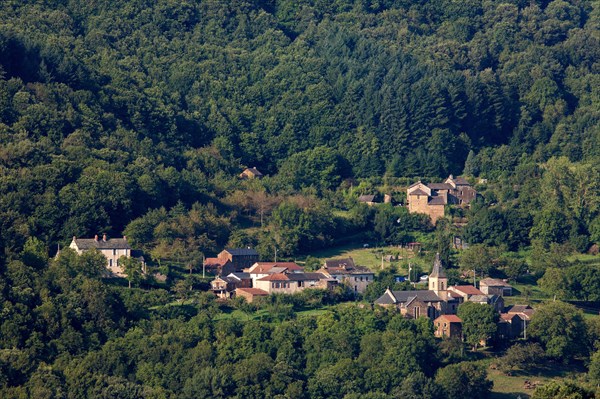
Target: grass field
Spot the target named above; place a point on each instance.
(513, 387)
(371, 257)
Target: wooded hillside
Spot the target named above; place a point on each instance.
(111, 108)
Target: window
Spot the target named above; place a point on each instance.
(114, 251)
(110, 262)
(361, 279)
(417, 312)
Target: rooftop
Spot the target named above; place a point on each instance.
(467, 289)
(253, 291)
(103, 243)
(393, 297)
(438, 269)
(494, 282)
(450, 318)
(241, 251)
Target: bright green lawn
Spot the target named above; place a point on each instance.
(371, 256)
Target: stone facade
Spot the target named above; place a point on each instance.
(431, 199)
(111, 248)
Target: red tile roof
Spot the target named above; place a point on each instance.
(467, 289)
(450, 318)
(214, 262)
(275, 277)
(264, 267)
(508, 316)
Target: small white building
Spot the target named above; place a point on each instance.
(111, 248)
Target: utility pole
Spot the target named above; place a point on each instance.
(275, 254)
(203, 266)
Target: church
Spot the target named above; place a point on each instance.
(431, 303)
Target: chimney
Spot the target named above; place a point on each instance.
(104, 237)
(96, 237)
(74, 238)
(125, 238)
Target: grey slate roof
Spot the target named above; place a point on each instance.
(241, 251)
(479, 298)
(347, 262)
(240, 275)
(392, 297)
(460, 181)
(438, 270)
(437, 200)
(439, 186)
(366, 198)
(111, 243)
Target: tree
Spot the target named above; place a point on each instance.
(561, 329)
(562, 390)
(479, 258)
(594, 369)
(464, 380)
(132, 267)
(478, 322)
(418, 386)
(92, 264)
(523, 357)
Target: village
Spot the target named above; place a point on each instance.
(240, 273)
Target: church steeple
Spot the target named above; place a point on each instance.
(437, 279)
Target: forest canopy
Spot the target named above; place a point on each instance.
(111, 109)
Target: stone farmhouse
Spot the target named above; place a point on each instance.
(231, 260)
(111, 248)
(346, 272)
(432, 199)
(448, 326)
(494, 286)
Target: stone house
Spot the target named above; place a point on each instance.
(251, 294)
(413, 304)
(465, 291)
(510, 326)
(432, 199)
(231, 260)
(367, 199)
(494, 286)
(251, 173)
(346, 272)
(448, 326)
(221, 288)
(224, 287)
(291, 283)
(262, 269)
(111, 248)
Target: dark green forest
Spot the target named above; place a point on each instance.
(109, 110)
(136, 117)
